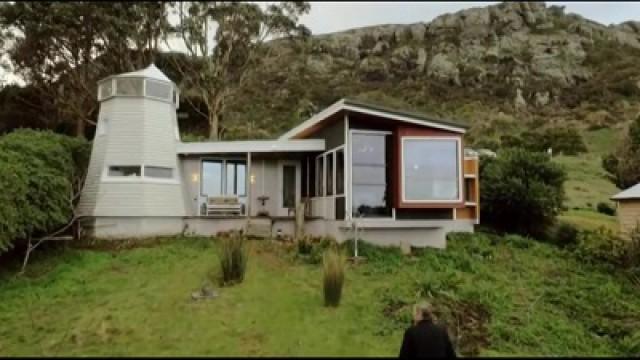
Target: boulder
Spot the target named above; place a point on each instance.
(380, 48)
(519, 101)
(374, 68)
(542, 98)
(422, 60)
(404, 57)
(441, 67)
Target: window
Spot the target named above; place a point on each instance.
(105, 89)
(370, 193)
(128, 171)
(320, 176)
(211, 178)
(236, 179)
(158, 172)
(329, 182)
(340, 172)
(430, 169)
(220, 177)
(129, 86)
(158, 89)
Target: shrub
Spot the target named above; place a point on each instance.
(305, 245)
(39, 173)
(333, 263)
(564, 234)
(522, 192)
(233, 259)
(606, 209)
(311, 249)
(602, 246)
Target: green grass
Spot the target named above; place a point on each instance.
(510, 295)
(590, 219)
(587, 184)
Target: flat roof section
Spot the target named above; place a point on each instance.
(253, 146)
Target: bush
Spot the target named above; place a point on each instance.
(333, 263)
(39, 173)
(305, 245)
(564, 235)
(522, 192)
(606, 209)
(602, 246)
(311, 249)
(233, 259)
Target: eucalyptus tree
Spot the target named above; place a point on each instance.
(225, 42)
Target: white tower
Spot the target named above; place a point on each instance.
(133, 184)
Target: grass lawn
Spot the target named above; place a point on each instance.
(587, 184)
(498, 296)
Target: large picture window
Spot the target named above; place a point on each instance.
(221, 177)
(430, 169)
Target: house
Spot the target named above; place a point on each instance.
(628, 208)
(397, 176)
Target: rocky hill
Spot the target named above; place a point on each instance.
(501, 67)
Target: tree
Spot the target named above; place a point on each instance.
(522, 192)
(63, 48)
(225, 42)
(623, 165)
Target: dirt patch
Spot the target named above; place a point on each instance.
(466, 322)
(252, 342)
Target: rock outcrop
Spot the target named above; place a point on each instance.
(517, 42)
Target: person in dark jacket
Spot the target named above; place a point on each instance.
(425, 339)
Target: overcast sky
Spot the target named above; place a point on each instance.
(326, 17)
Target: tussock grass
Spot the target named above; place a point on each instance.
(333, 276)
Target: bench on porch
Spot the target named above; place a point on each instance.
(223, 205)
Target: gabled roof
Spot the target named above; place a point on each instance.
(630, 193)
(376, 110)
(253, 146)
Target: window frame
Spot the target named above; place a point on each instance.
(460, 176)
(144, 172)
(351, 185)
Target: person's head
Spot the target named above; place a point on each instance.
(423, 311)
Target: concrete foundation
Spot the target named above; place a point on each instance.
(383, 233)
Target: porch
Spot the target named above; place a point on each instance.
(249, 180)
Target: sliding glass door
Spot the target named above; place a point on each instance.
(370, 176)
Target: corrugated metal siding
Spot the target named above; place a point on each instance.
(628, 215)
